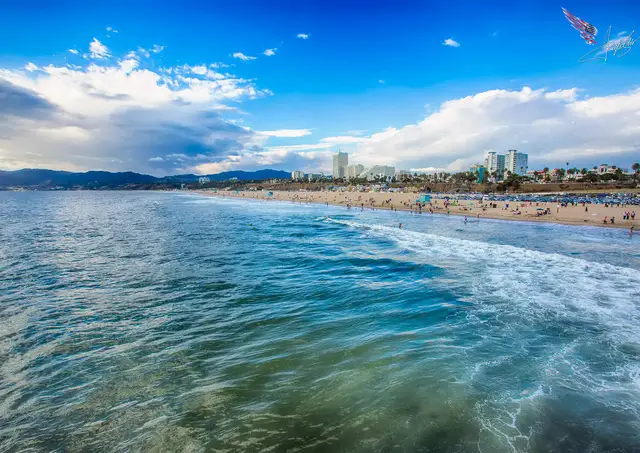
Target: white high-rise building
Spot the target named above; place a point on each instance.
(495, 163)
(340, 163)
(517, 163)
(354, 170)
(297, 175)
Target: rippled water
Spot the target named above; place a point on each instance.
(176, 323)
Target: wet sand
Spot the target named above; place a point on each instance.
(570, 215)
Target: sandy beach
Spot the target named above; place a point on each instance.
(593, 215)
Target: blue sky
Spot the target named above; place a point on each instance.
(365, 67)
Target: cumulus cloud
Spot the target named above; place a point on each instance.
(98, 51)
(124, 115)
(270, 52)
(287, 133)
(243, 57)
(551, 126)
(31, 67)
(303, 35)
(73, 51)
(451, 43)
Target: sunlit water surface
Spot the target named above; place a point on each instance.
(163, 322)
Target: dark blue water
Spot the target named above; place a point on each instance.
(157, 322)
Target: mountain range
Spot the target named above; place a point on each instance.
(55, 178)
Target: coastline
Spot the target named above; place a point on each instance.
(569, 215)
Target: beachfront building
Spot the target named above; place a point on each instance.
(494, 163)
(516, 163)
(340, 163)
(378, 171)
(479, 171)
(204, 180)
(297, 175)
(315, 177)
(354, 170)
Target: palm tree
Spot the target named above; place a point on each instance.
(584, 171)
(636, 170)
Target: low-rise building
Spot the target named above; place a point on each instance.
(378, 171)
(479, 171)
(354, 170)
(204, 180)
(297, 175)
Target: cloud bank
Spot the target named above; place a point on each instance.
(122, 115)
(126, 113)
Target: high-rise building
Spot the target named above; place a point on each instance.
(297, 175)
(340, 163)
(517, 163)
(354, 170)
(494, 163)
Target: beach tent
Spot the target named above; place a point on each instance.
(424, 199)
(269, 194)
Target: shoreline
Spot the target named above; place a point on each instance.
(570, 215)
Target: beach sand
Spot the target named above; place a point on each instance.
(570, 215)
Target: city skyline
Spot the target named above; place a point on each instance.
(103, 91)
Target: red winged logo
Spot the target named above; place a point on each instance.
(587, 31)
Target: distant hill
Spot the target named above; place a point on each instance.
(55, 178)
(257, 175)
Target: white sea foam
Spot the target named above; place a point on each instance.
(515, 292)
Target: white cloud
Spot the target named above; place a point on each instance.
(270, 52)
(157, 48)
(451, 43)
(213, 168)
(242, 56)
(551, 126)
(121, 116)
(343, 140)
(303, 35)
(301, 147)
(128, 65)
(381, 82)
(112, 30)
(31, 67)
(73, 51)
(201, 70)
(98, 50)
(287, 133)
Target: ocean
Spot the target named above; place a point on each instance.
(170, 322)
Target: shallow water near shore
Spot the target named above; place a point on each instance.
(179, 323)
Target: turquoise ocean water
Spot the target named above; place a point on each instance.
(162, 322)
